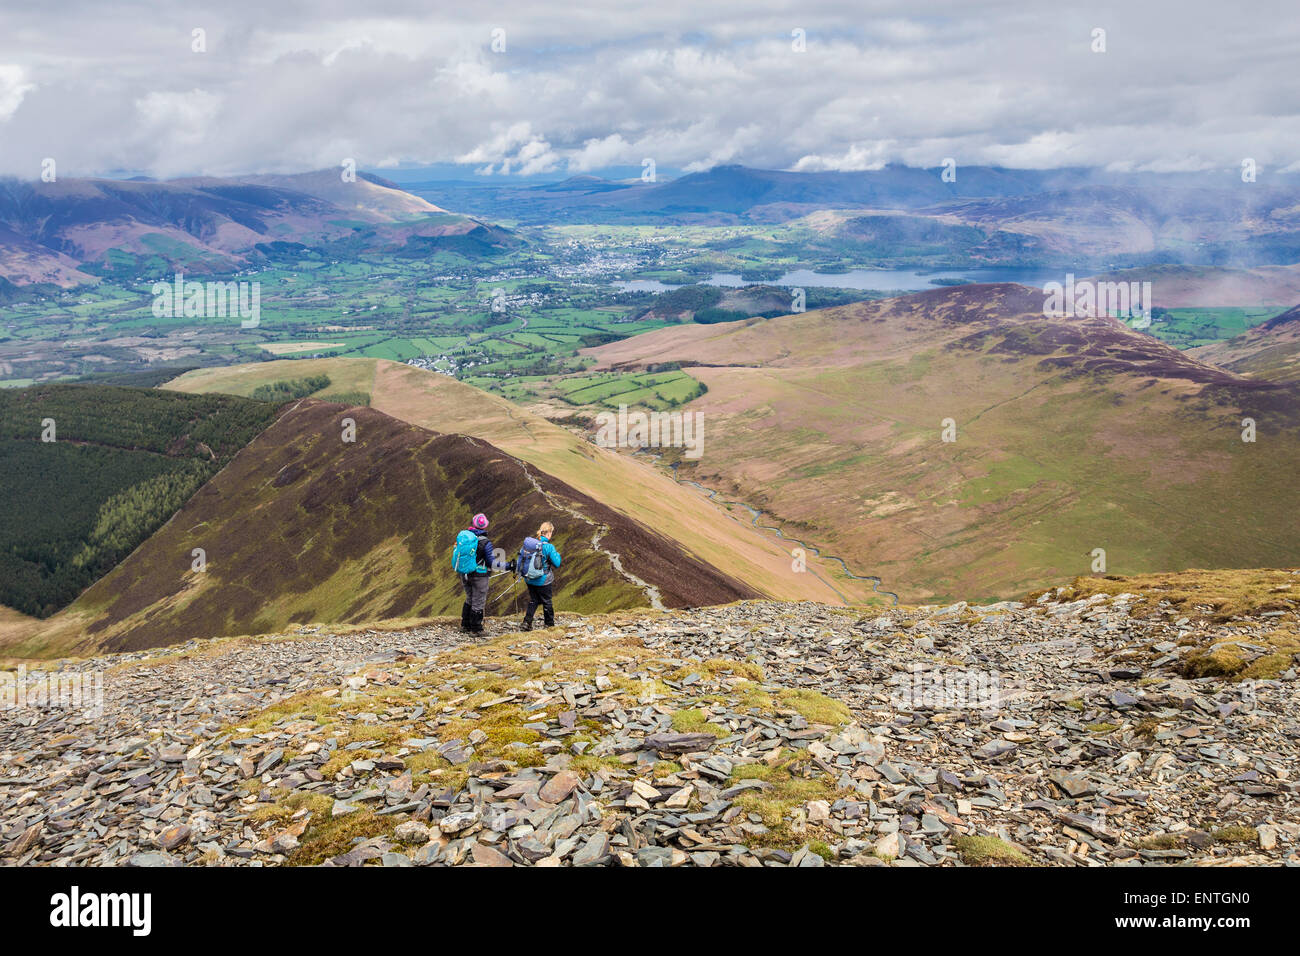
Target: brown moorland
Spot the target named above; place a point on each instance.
(1072, 435)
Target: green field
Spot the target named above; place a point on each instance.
(1187, 328)
(514, 324)
(655, 390)
(495, 324)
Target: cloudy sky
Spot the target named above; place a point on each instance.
(113, 89)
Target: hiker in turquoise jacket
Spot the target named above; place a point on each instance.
(535, 565)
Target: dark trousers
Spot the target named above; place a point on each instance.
(471, 612)
(539, 594)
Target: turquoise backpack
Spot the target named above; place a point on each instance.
(464, 556)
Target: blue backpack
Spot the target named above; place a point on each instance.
(532, 562)
(464, 556)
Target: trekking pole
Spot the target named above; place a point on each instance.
(488, 596)
(513, 585)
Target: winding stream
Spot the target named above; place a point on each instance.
(651, 592)
(756, 514)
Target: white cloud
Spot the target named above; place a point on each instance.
(611, 150)
(12, 89)
(352, 43)
(535, 156)
(513, 149)
(859, 156)
(1185, 84)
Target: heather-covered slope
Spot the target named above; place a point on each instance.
(724, 540)
(304, 526)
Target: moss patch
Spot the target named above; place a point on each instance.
(1216, 662)
(814, 707)
(792, 784)
(989, 851)
(692, 721)
(1160, 841)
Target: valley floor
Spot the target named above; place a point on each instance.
(1059, 733)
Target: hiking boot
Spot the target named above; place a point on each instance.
(526, 626)
(465, 616)
(476, 622)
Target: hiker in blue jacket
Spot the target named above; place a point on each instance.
(472, 558)
(535, 564)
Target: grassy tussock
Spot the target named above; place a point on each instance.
(989, 851)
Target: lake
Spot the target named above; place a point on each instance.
(879, 280)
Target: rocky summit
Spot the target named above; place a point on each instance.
(1056, 732)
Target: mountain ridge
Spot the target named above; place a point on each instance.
(304, 526)
(1062, 216)
(720, 538)
(66, 232)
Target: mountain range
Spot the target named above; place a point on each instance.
(956, 444)
(946, 445)
(1023, 215)
(68, 232)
